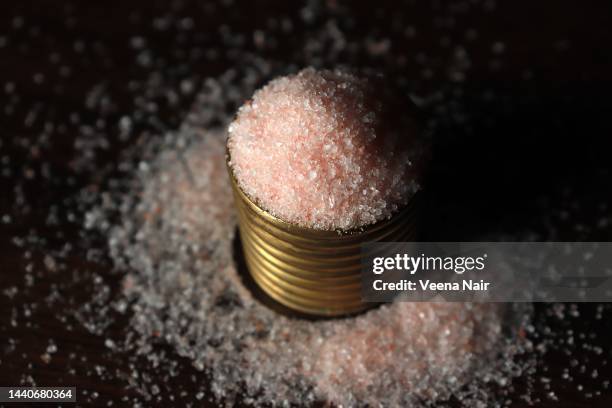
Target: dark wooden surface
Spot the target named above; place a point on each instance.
(548, 128)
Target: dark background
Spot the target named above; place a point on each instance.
(521, 144)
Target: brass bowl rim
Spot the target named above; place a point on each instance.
(300, 230)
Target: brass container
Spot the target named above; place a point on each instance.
(317, 272)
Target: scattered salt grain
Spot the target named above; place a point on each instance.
(45, 358)
(51, 348)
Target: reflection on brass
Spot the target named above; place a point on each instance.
(312, 271)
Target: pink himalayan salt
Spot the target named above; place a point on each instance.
(411, 345)
(325, 150)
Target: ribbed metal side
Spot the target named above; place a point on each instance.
(312, 271)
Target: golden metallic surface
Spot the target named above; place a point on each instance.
(313, 271)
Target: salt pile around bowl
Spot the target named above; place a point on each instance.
(173, 230)
(326, 149)
(188, 290)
